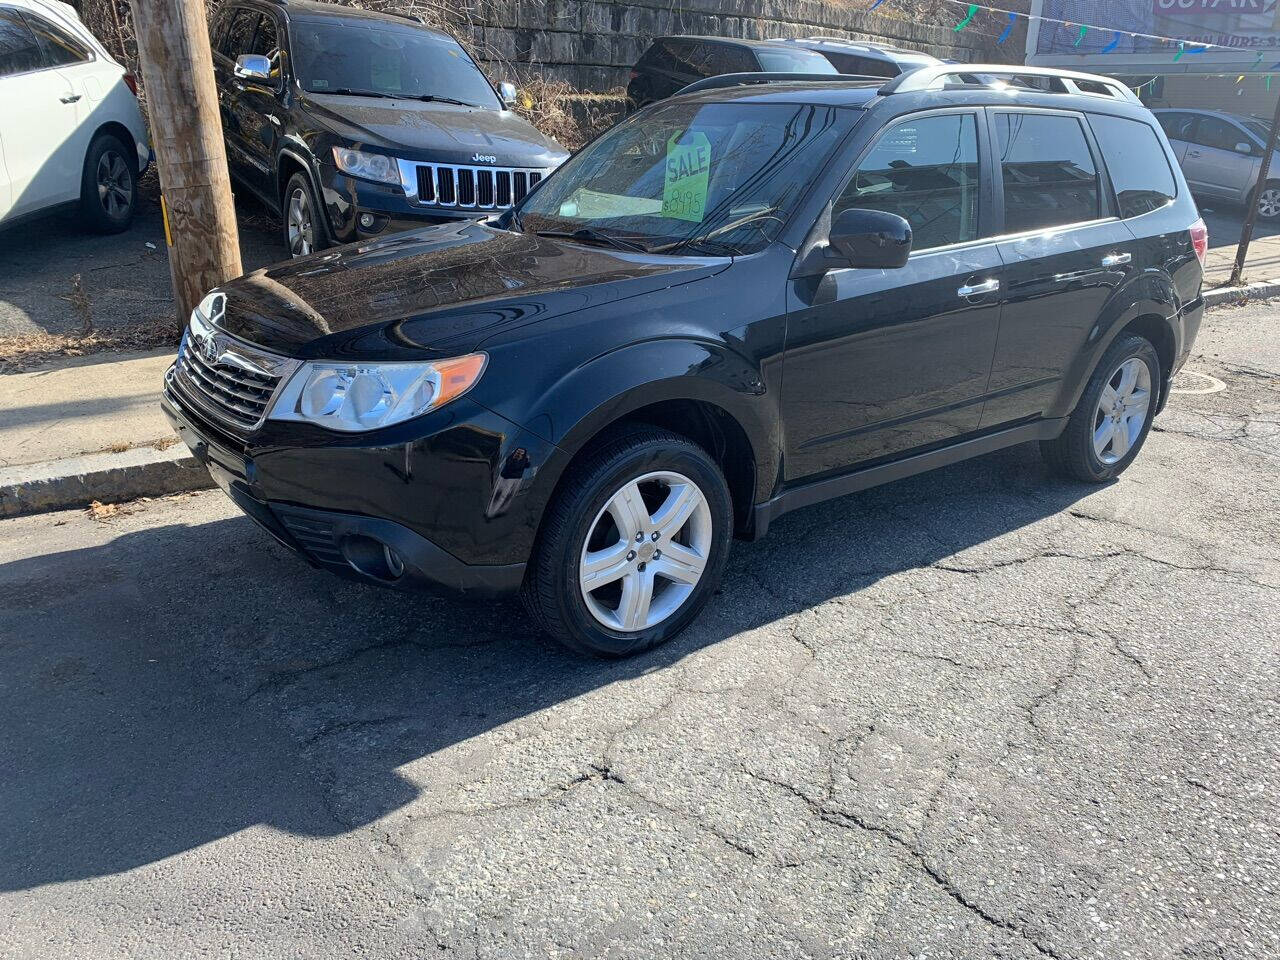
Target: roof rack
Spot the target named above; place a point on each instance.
(725, 80)
(1064, 81)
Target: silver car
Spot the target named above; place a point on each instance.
(1221, 154)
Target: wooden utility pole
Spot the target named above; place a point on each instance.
(1251, 215)
(186, 133)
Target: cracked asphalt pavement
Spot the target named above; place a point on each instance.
(978, 713)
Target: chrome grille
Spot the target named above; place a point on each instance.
(230, 379)
(468, 188)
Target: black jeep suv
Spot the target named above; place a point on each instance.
(351, 124)
(740, 301)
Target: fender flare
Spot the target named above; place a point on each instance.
(308, 166)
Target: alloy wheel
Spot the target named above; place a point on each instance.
(646, 551)
(115, 184)
(1122, 411)
(1269, 203)
(301, 229)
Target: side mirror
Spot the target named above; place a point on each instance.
(1244, 148)
(508, 93)
(871, 239)
(253, 66)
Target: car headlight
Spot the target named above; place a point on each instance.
(352, 397)
(368, 166)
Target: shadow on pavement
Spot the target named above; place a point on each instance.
(181, 683)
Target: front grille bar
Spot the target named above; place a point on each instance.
(462, 187)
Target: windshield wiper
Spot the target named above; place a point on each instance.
(348, 92)
(588, 235)
(432, 98)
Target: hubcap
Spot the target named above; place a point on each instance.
(301, 234)
(1122, 411)
(115, 184)
(646, 551)
(1269, 203)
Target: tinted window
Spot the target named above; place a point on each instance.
(861, 66)
(59, 47)
(782, 60)
(1048, 172)
(1136, 160)
(266, 43)
(714, 59)
(239, 33)
(723, 175)
(19, 51)
(1177, 126)
(1218, 133)
(658, 56)
(925, 171)
(385, 58)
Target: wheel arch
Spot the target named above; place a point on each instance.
(122, 133)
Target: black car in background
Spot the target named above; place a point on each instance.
(351, 124)
(743, 300)
(862, 58)
(672, 63)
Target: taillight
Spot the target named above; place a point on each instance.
(131, 82)
(1200, 240)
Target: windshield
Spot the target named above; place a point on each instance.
(386, 59)
(794, 61)
(722, 177)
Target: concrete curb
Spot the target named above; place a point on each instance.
(1252, 291)
(107, 477)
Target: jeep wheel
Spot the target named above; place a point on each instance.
(633, 546)
(302, 230)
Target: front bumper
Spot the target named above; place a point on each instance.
(272, 486)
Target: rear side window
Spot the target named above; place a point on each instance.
(1177, 126)
(59, 47)
(925, 171)
(1137, 163)
(19, 51)
(861, 66)
(781, 60)
(1048, 171)
(715, 59)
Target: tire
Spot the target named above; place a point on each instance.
(109, 185)
(582, 515)
(1268, 199)
(1083, 451)
(310, 233)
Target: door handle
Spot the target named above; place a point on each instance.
(1116, 259)
(1193, 153)
(274, 119)
(71, 98)
(972, 290)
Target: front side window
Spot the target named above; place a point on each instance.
(1218, 133)
(386, 60)
(239, 35)
(266, 43)
(60, 48)
(1137, 163)
(1048, 171)
(925, 171)
(718, 177)
(19, 50)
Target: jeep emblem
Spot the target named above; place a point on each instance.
(484, 158)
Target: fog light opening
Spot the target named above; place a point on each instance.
(366, 220)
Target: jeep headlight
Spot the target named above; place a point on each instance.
(367, 166)
(352, 397)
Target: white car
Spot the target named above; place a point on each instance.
(71, 132)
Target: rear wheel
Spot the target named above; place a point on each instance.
(1111, 422)
(1269, 201)
(108, 186)
(633, 546)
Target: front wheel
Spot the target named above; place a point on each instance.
(633, 546)
(303, 233)
(1111, 422)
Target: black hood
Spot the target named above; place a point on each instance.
(435, 292)
(418, 130)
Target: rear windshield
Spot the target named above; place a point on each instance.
(782, 60)
(388, 59)
(719, 177)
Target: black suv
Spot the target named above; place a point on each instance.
(670, 64)
(350, 124)
(740, 301)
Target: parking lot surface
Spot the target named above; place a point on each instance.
(977, 713)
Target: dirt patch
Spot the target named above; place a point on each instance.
(29, 351)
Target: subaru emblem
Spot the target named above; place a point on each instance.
(211, 349)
